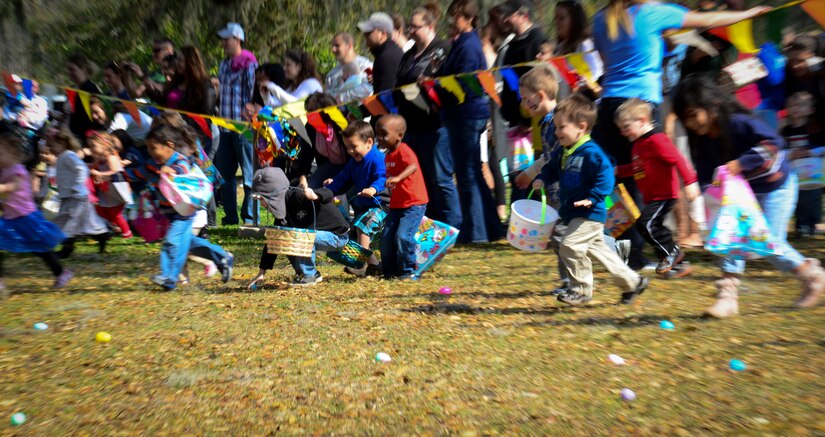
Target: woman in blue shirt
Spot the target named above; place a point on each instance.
(628, 36)
(465, 122)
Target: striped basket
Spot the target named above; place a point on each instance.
(352, 255)
(290, 241)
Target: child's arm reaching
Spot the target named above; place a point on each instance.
(603, 182)
(395, 180)
(550, 172)
(115, 167)
(11, 186)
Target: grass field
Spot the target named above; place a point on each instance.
(498, 356)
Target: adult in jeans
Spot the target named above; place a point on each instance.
(237, 78)
(377, 33)
(425, 134)
(628, 36)
(465, 122)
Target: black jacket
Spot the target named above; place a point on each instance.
(385, 68)
(300, 212)
(412, 69)
(523, 48)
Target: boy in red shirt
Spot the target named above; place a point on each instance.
(654, 165)
(408, 199)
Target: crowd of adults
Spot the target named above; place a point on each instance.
(459, 145)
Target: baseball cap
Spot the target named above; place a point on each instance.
(271, 184)
(510, 7)
(377, 21)
(232, 30)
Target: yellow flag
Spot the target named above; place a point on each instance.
(84, 99)
(578, 63)
(224, 124)
(741, 36)
(450, 84)
(336, 116)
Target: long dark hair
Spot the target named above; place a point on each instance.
(700, 92)
(466, 8)
(579, 29)
(307, 64)
(196, 78)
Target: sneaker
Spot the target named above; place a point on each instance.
(210, 270)
(167, 284)
(561, 289)
(227, 267)
(680, 270)
(630, 296)
(727, 299)
(303, 281)
(670, 261)
(623, 249)
(64, 278)
(573, 298)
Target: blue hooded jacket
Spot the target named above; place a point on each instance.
(588, 174)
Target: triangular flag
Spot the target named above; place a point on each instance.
(387, 99)
(561, 65)
(374, 106)
(132, 109)
(355, 110)
(816, 9)
(453, 87)
(71, 95)
(580, 66)
(201, 124)
(217, 120)
(741, 36)
(336, 116)
(470, 81)
(316, 121)
(429, 87)
(84, 99)
(154, 112)
(510, 79)
(299, 127)
(27, 88)
(412, 93)
(9, 81)
(488, 81)
(241, 128)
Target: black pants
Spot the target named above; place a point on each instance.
(267, 259)
(651, 226)
(50, 258)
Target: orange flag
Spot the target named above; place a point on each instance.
(133, 111)
(374, 106)
(488, 82)
(816, 9)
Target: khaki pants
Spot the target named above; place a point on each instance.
(583, 240)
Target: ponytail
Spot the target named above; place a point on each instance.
(616, 15)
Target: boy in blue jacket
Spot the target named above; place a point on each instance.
(366, 172)
(585, 177)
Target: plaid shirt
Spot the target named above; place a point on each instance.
(236, 89)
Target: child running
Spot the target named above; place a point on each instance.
(723, 132)
(585, 177)
(408, 199)
(22, 227)
(367, 173)
(77, 216)
(112, 199)
(161, 144)
(653, 166)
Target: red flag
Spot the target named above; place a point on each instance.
(429, 86)
(133, 111)
(315, 120)
(71, 95)
(201, 124)
(564, 69)
(9, 81)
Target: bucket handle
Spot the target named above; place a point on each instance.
(543, 205)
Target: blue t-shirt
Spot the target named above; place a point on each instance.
(633, 63)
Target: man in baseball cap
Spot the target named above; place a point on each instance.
(232, 30)
(377, 33)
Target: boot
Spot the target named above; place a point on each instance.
(727, 300)
(813, 277)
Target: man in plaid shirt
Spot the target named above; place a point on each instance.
(237, 82)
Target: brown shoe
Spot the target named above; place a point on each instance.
(727, 300)
(813, 277)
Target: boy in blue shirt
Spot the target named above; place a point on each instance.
(366, 172)
(585, 177)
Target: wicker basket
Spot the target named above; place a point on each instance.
(290, 241)
(352, 255)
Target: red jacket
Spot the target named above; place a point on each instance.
(654, 165)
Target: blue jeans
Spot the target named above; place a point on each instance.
(398, 242)
(175, 247)
(480, 221)
(778, 206)
(437, 166)
(325, 241)
(206, 249)
(234, 150)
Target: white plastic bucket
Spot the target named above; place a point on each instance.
(531, 224)
(810, 173)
